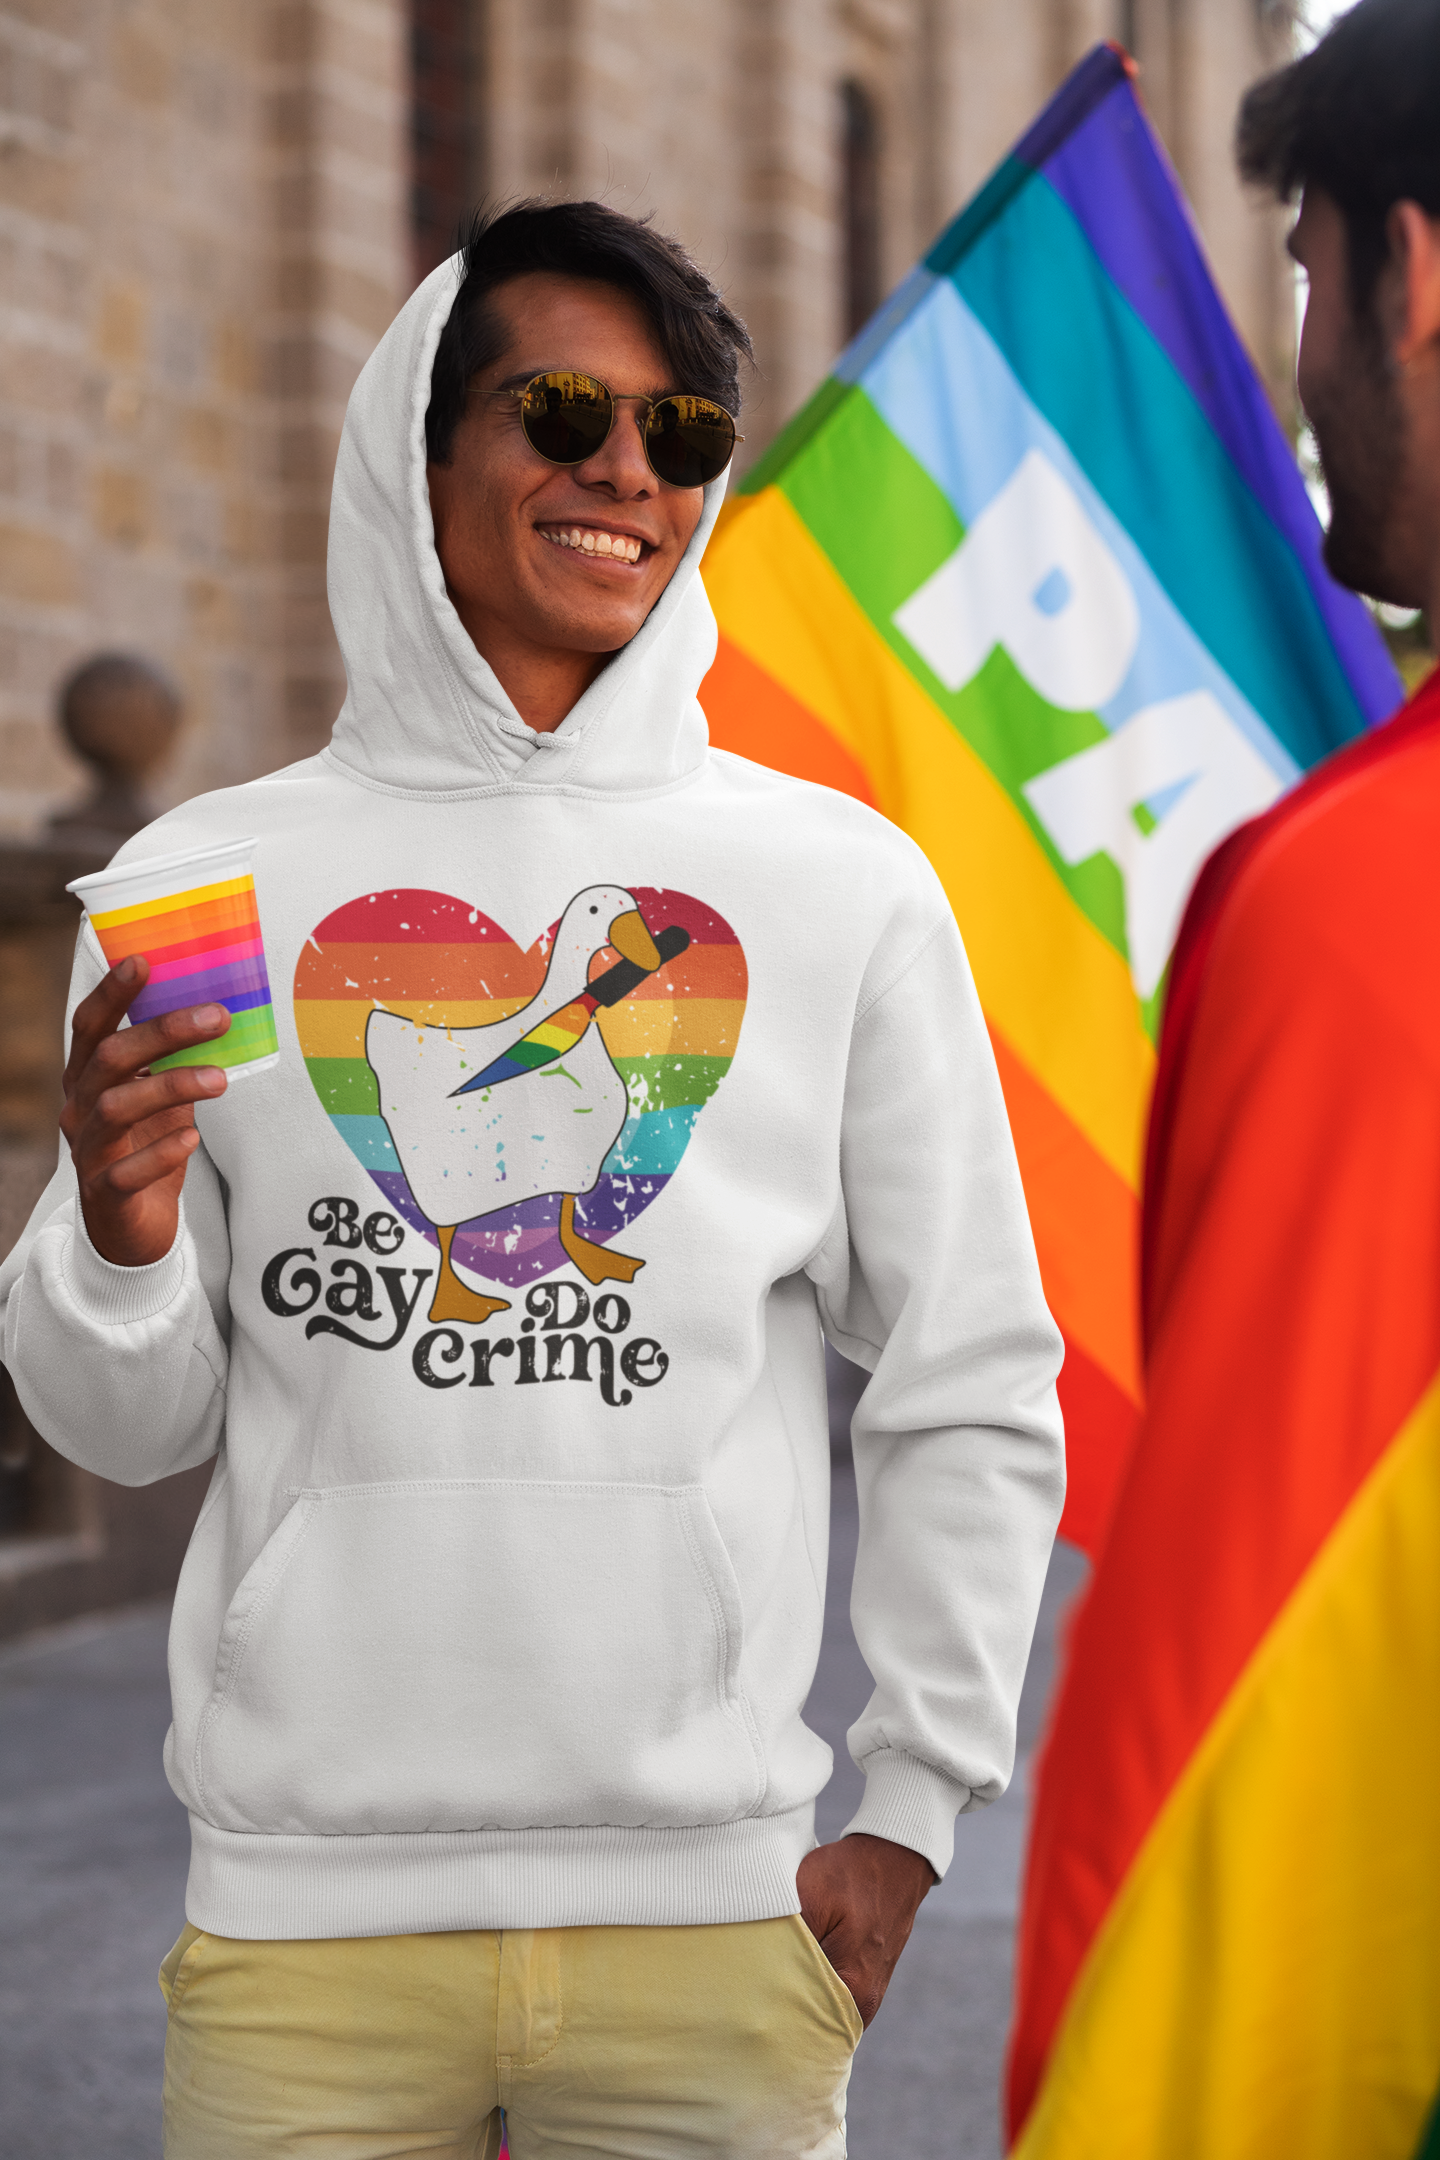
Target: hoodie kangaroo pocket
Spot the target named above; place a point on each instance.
(477, 1655)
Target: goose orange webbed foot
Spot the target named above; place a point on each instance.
(452, 1299)
(596, 1262)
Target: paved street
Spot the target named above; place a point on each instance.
(92, 1873)
(93, 1850)
(926, 2079)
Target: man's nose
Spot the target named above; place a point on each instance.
(620, 462)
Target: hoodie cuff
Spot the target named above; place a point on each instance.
(911, 1804)
(114, 1296)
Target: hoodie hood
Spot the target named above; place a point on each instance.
(423, 711)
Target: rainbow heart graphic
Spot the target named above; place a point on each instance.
(440, 963)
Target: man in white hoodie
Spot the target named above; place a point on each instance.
(617, 1069)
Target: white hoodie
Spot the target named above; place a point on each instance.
(510, 1623)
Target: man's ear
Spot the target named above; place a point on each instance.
(1415, 251)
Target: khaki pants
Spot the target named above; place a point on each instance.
(635, 2043)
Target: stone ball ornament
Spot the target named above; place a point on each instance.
(121, 714)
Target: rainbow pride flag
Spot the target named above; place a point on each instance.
(1034, 572)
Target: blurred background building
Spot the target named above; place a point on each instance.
(209, 211)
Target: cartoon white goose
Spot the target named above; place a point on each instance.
(485, 1117)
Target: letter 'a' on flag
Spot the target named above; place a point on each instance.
(1035, 573)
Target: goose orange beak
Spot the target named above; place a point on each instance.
(633, 941)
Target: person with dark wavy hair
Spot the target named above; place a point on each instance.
(1354, 129)
(619, 1071)
(702, 337)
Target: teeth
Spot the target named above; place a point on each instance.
(618, 546)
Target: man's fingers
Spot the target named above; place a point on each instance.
(100, 1122)
(820, 1884)
(119, 1056)
(117, 1110)
(860, 1983)
(863, 1966)
(101, 1013)
(132, 1048)
(859, 1899)
(132, 1173)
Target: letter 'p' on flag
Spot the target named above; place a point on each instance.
(1035, 573)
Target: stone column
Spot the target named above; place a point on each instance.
(1197, 58)
(719, 119)
(336, 75)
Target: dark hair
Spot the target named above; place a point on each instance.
(1359, 118)
(701, 337)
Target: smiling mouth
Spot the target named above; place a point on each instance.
(587, 540)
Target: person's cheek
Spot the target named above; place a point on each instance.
(1310, 360)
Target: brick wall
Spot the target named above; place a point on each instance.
(444, 99)
(727, 122)
(202, 232)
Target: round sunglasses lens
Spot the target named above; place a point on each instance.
(566, 417)
(689, 440)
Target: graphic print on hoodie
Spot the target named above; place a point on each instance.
(464, 1638)
(520, 1107)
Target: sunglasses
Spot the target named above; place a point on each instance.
(688, 441)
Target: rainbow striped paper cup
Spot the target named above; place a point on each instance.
(194, 918)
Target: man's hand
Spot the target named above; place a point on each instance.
(859, 1898)
(132, 1132)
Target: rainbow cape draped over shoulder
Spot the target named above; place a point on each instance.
(1230, 1946)
(1035, 573)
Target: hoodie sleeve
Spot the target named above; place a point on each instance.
(929, 1278)
(121, 1369)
